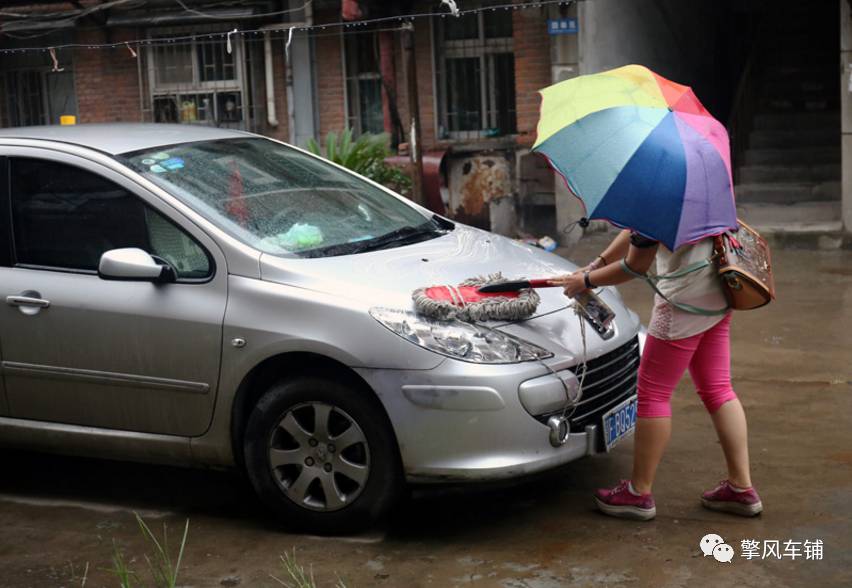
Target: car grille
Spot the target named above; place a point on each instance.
(610, 379)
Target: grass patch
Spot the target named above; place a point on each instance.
(162, 567)
(296, 575)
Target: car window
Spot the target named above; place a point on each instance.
(5, 230)
(66, 217)
(276, 198)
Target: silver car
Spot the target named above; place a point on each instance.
(199, 296)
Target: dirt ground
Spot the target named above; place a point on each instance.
(792, 369)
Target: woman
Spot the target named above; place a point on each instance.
(677, 340)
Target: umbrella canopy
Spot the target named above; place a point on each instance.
(640, 151)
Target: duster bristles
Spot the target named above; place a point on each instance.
(496, 308)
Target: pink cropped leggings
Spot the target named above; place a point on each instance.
(708, 357)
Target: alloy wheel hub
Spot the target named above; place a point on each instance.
(319, 456)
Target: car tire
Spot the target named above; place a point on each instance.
(331, 479)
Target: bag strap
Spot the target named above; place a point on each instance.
(692, 267)
(652, 281)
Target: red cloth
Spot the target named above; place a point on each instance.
(236, 206)
(350, 10)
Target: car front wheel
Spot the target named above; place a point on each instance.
(321, 454)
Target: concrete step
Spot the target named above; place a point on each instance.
(788, 192)
(813, 225)
(790, 104)
(814, 137)
(800, 86)
(804, 56)
(750, 174)
(805, 41)
(796, 156)
(779, 72)
(803, 213)
(797, 120)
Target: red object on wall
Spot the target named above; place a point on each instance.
(236, 206)
(350, 10)
(433, 177)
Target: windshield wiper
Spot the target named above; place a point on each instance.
(404, 235)
(398, 237)
(442, 223)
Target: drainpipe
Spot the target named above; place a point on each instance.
(270, 81)
(291, 100)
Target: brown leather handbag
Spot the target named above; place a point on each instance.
(745, 267)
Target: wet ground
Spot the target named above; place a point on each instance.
(792, 369)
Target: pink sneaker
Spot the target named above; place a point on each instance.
(724, 498)
(621, 502)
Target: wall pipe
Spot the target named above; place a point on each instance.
(270, 80)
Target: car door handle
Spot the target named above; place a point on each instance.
(27, 301)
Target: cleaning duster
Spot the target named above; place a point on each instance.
(467, 303)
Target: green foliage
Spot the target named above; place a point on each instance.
(364, 155)
(297, 577)
(125, 576)
(163, 570)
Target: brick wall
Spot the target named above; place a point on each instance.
(425, 83)
(532, 68)
(331, 103)
(106, 80)
(331, 81)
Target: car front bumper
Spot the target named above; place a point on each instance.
(463, 422)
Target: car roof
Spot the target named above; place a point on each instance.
(117, 138)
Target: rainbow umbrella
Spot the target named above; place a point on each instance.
(641, 152)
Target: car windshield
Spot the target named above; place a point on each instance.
(282, 201)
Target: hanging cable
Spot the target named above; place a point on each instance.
(226, 18)
(345, 25)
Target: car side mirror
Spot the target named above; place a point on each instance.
(133, 264)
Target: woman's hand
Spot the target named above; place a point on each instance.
(572, 284)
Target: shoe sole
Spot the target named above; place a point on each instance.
(737, 508)
(626, 511)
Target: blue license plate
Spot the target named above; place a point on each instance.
(619, 422)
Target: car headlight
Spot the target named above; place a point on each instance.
(458, 339)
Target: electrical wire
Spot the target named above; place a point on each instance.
(225, 18)
(305, 28)
(65, 17)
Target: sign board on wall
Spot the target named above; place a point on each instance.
(562, 26)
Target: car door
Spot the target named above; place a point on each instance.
(78, 349)
(5, 261)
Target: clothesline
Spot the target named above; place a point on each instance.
(344, 26)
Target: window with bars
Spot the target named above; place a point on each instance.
(363, 83)
(475, 75)
(32, 91)
(25, 98)
(198, 81)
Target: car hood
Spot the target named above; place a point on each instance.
(388, 277)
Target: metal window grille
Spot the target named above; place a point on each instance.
(26, 103)
(364, 112)
(29, 86)
(199, 82)
(475, 75)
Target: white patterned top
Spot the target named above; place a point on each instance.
(702, 289)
